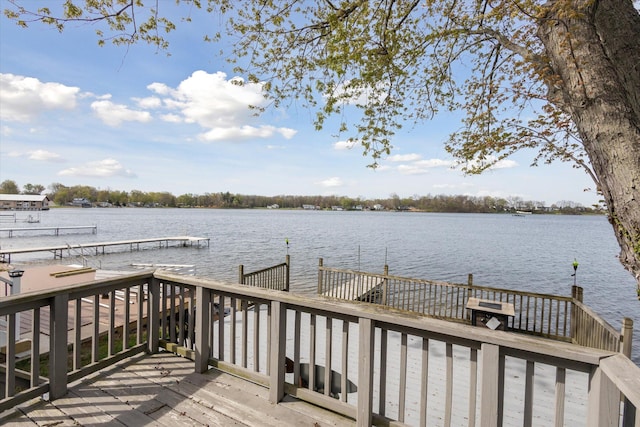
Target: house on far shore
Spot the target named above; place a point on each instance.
(24, 202)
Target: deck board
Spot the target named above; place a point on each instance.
(163, 390)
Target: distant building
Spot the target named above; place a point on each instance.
(24, 202)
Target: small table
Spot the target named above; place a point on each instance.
(489, 313)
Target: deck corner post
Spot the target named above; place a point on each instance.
(603, 400)
(203, 303)
(58, 360)
(241, 274)
(288, 269)
(627, 336)
(278, 351)
(490, 383)
(320, 264)
(153, 317)
(366, 337)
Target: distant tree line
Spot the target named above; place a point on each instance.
(63, 196)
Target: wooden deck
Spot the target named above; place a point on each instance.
(163, 390)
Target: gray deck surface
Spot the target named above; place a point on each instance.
(163, 390)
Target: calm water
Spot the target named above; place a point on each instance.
(533, 253)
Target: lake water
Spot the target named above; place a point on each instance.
(533, 253)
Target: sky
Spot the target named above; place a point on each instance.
(118, 118)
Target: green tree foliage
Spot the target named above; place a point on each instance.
(32, 189)
(557, 76)
(9, 187)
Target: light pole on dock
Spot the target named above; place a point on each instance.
(575, 271)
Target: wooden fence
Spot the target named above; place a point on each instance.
(375, 365)
(275, 277)
(551, 316)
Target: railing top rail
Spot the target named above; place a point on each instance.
(13, 303)
(253, 273)
(449, 284)
(592, 314)
(540, 349)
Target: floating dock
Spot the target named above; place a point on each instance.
(98, 248)
(56, 230)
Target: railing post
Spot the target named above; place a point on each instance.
(288, 262)
(365, 372)
(627, 336)
(278, 350)
(630, 412)
(58, 351)
(153, 316)
(320, 263)
(203, 302)
(241, 274)
(385, 286)
(603, 401)
(576, 295)
(470, 279)
(490, 393)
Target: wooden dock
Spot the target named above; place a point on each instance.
(56, 230)
(360, 288)
(99, 247)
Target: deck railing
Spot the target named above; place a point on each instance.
(551, 316)
(76, 330)
(275, 277)
(374, 364)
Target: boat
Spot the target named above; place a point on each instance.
(522, 213)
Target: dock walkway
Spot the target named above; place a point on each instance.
(56, 230)
(360, 288)
(99, 247)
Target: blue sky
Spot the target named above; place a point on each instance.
(120, 118)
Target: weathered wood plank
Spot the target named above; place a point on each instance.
(164, 390)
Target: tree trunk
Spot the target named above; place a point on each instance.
(596, 55)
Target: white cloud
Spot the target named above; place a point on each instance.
(44, 155)
(103, 168)
(505, 164)
(148, 102)
(171, 118)
(404, 157)
(419, 167)
(243, 132)
(24, 98)
(344, 145)
(114, 114)
(219, 105)
(435, 163)
(411, 169)
(331, 182)
(500, 164)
